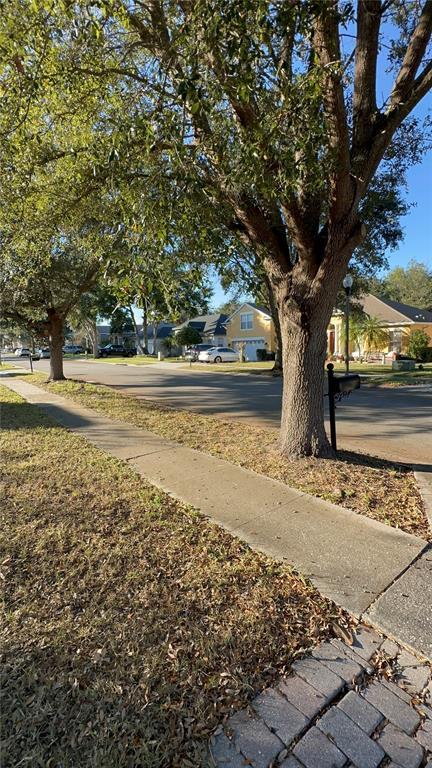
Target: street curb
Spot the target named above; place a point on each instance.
(424, 482)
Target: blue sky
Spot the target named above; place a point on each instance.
(417, 243)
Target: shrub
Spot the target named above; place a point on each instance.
(261, 355)
(418, 344)
(187, 336)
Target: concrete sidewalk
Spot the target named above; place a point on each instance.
(361, 564)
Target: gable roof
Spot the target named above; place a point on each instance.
(389, 311)
(213, 324)
(249, 305)
(162, 332)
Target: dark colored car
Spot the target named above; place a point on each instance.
(117, 350)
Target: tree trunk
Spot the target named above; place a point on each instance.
(94, 338)
(155, 330)
(304, 343)
(145, 328)
(56, 341)
(135, 327)
(277, 368)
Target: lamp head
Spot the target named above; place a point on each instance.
(347, 282)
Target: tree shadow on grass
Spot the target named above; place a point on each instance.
(22, 416)
(375, 462)
(25, 415)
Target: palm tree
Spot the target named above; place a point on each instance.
(373, 335)
(355, 334)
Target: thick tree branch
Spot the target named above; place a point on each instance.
(327, 46)
(413, 57)
(369, 15)
(390, 122)
(262, 233)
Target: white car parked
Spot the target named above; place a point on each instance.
(218, 355)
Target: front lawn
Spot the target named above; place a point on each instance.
(374, 374)
(232, 367)
(132, 625)
(373, 487)
(383, 375)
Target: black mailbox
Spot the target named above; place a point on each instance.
(339, 387)
(343, 385)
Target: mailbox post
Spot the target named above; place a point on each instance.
(338, 387)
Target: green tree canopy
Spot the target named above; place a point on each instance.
(410, 285)
(187, 336)
(262, 118)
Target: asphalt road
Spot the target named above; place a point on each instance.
(392, 423)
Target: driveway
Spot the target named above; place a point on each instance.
(393, 423)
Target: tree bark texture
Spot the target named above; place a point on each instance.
(145, 330)
(278, 364)
(93, 333)
(304, 350)
(135, 327)
(56, 341)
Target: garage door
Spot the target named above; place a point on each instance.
(251, 348)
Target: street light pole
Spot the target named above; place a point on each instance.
(347, 284)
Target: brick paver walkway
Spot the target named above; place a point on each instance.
(338, 708)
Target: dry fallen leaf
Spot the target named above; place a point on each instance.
(343, 633)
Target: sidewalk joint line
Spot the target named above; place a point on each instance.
(426, 548)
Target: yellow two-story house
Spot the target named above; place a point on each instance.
(251, 327)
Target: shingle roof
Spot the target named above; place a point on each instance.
(206, 324)
(163, 331)
(389, 311)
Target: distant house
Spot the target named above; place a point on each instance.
(104, 335)
(399, 320)
(251, 327)
(210, 327)
(163, 331)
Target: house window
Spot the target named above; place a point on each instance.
(395, 339)
(246, 321)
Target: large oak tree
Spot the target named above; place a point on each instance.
(268, 112)
(271, 109)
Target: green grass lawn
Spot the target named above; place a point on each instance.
(384, 375)
(379, 374)
(231, 367)
(131, 624)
